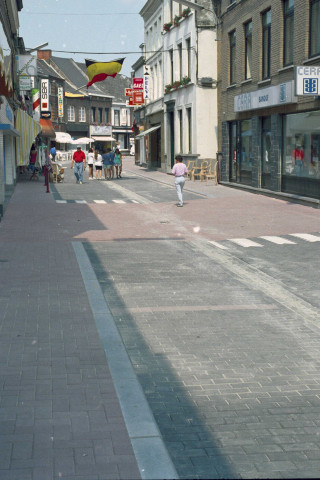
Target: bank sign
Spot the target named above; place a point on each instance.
(265, 97)
(307, 80)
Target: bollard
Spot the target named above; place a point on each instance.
(46, 178)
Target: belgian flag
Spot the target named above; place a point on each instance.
(99, 71)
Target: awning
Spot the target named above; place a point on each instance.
(142, 134)
(47, 129)
(28, 130)
(63, 137)
(73, 95)
(101, 138)
(8, 129)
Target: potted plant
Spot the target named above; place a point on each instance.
(167, 26)
(176, 84)
(167, 88)
(185, 80)
(176, 20)
(186, 12)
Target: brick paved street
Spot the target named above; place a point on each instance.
(223, 343)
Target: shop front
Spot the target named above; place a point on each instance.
(102, 136)
(272, 144)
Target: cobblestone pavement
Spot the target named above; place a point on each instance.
(223, 343)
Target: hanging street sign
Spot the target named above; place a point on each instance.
(128, 92)
(137, 83)
(307, 80)
(25, 83)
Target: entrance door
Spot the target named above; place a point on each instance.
(171, 126)
(233, 154)
(265, 152)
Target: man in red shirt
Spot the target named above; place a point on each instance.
(298, 159)
(79, 164)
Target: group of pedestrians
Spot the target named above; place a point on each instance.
(110, 162)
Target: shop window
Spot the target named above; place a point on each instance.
(314, 27)
(288, 28)
(265, 152)
(248, 49)
(266, 44)
(82, 114)
(301, 154)
(232, 60)
(71, 116)
(246, 157)
(234, 176)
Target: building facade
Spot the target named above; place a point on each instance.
(180, 57)
(269, 135)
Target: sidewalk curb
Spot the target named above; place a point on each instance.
(151, 454)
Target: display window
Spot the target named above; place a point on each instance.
(246, 157)
(301, 153)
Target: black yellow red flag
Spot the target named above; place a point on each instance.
(99, 71)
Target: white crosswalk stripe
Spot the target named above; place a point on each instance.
(244, 242)
(99, 201)
(306, 236)
(118, 201)
(216, 244)
(61, 201)
(81, 201)
(278, 240)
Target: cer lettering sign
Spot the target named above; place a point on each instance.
(307, 80)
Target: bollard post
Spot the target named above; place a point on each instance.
(46, 177)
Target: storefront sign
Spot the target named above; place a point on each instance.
(129, 102)
(138, 98)
(307, 80)
(146, 82)
(27, 65)
(128, 92)
(265, 97)
(44, 98)
(25, 83)
(137, 83)
(100, 130)
(60, 102)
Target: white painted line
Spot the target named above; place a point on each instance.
(244, 242)
(216, 244)
(134, 201)
(278, 240)
(306, 236)
(80, 201)
(118, 201)
(99, 201)
(61, 201)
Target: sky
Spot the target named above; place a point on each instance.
(114, 29)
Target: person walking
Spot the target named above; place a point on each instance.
(117, 162)
(107, 163)
(53, 153)
(79, 163)
(90, 163)
(98, 164)
(179, 171)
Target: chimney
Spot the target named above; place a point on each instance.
(44, 54)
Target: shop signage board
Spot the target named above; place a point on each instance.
(138, 98)
(60, 102)
(45, 114)
(25, 83)
(27, 65)
(265, 97)
(128, 92)
(146, 81)
(44, 95)
(129, 102)
(137, 83)
(307, 80)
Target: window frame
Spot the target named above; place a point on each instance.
(288, 19)
(266, 42)
(311, 36)
(247, 35)
(82, 114)
(232, 57)
(70, 108)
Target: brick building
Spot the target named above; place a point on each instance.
(270, 137)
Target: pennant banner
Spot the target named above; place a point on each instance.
(99, 71)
